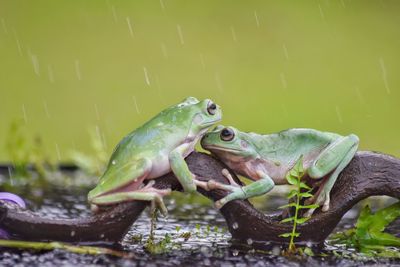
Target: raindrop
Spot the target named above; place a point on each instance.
(113, 162)
(384, 76)
(78, 70)
(249, 241)
(276, 250)
(178, 27)
(339, 115)
(283, 80)
(164, 50)
(257, 21)
(128, 20)
(285, 51)
(146, 76)
(35, 62)
(50, 73)
(233, 34)
(235, 225)
(72, 233)
(3, 22)
(235, 252)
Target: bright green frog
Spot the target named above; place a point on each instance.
(154, 149)
(267, 159)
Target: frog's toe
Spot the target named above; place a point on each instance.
(159, 202)
(309, 212)
(228, 176)
(220, 203)
(325, 207)
(94, 208)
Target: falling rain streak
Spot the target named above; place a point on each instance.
(164, 50)
(35, 62)
(3, 23)
(58, 152)
(384, 75)
(24, 113)
(283, 80)
(46, 109)
(219, 83)
(146, 76)
(50, 73)
(233, 34)
(18, 43)
(136, 105)
(339, 115)
(321, 12)
(78, 70)
(257, 20)
(180, 34)
(285, 51)
(128, 21)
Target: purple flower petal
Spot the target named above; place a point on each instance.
(12, 198)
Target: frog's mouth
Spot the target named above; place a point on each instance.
(219, 148)
(127, 187)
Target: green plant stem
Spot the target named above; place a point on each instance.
(58, 245)
(292, 247)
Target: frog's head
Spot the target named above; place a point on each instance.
(199, 115)
(228, 143)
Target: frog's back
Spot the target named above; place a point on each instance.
(290, 144)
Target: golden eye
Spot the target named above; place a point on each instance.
(211, 108)
(227, 134)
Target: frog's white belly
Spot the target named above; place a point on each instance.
(160, 166)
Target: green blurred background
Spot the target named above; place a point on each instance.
(68, 66)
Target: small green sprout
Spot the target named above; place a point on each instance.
(300, 191)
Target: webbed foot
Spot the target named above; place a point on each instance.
(235, 189)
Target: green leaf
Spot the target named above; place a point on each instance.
(286, 235)
(305, 194)
(290, 219)
(302, 220)
(288, 205)
(292, 193)
(303, 185)
(291, 179)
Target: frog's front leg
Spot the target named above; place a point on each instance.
(331, 161)
(257, 188)
(180, 168)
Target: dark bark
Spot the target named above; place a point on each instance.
(368, 174)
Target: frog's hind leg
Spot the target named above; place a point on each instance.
(146, 193)
(331, 163)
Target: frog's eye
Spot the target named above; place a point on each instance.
(227, 134)
(211, 108)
